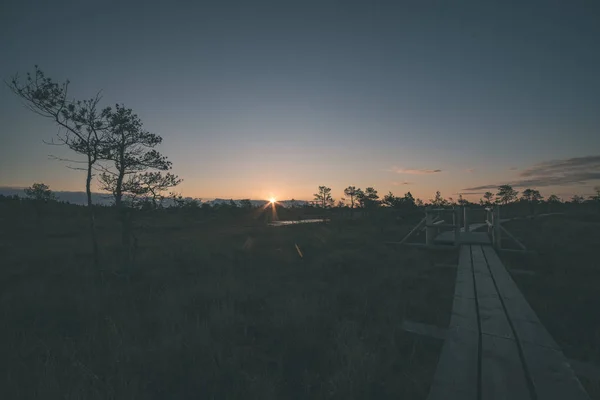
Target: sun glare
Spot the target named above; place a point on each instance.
(272, 200)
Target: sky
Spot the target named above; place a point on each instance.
(256, 99)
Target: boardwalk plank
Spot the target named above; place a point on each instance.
(479, 262)
(493, 318)
(456, 374)
(464, 259)
(457, 368)
(491, 313)
(518, 308)
(464, 315)
(464, 274)
(507, 288)
(525, 322)
(498, 303)
(464, 286)
(465, 238)
(485, 285)
(502, 374)
(534, 333)
(552, 376)
(464, 308)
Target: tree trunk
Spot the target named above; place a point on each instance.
(122, 210)
(119, 191)
(88, 192)
(126, 235)
(124, 219)
(121, 165)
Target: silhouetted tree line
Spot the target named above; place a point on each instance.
(323, 200)
(506, 195)
(41, 200)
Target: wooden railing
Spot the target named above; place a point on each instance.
(433, 222)
(495, 228)
(432, 227)
(492, 219)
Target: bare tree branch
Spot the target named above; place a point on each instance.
(80, 126)
(53, 157)
(76, 168)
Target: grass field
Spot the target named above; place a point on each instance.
(225, 307)
(564, 290)
(218, 310)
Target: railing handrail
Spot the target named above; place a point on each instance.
(441, 225)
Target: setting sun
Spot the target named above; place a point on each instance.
(272, 200)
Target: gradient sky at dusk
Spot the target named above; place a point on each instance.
(257, 99)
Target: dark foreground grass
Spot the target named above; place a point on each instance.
(219, 312)
(564, 290)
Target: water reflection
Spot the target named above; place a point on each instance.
(302, 221)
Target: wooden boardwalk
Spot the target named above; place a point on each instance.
(465, 238)
(496, 347)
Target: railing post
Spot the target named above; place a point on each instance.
(489, 218)
(492, 229)
(429, 229)
(457, 227)
(497, 231)
(466, 221)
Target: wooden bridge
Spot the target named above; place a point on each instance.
(495, 346)
(461, 230)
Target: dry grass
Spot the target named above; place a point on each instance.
(202, 316)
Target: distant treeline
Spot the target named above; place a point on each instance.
(358, 201)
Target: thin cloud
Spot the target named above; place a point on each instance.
(484, 187)
(565, 180)
(570, 165)
(402, 183)
(571, 171)
(468, 193)
(414, 171)
(513, 168)
(470, 170)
